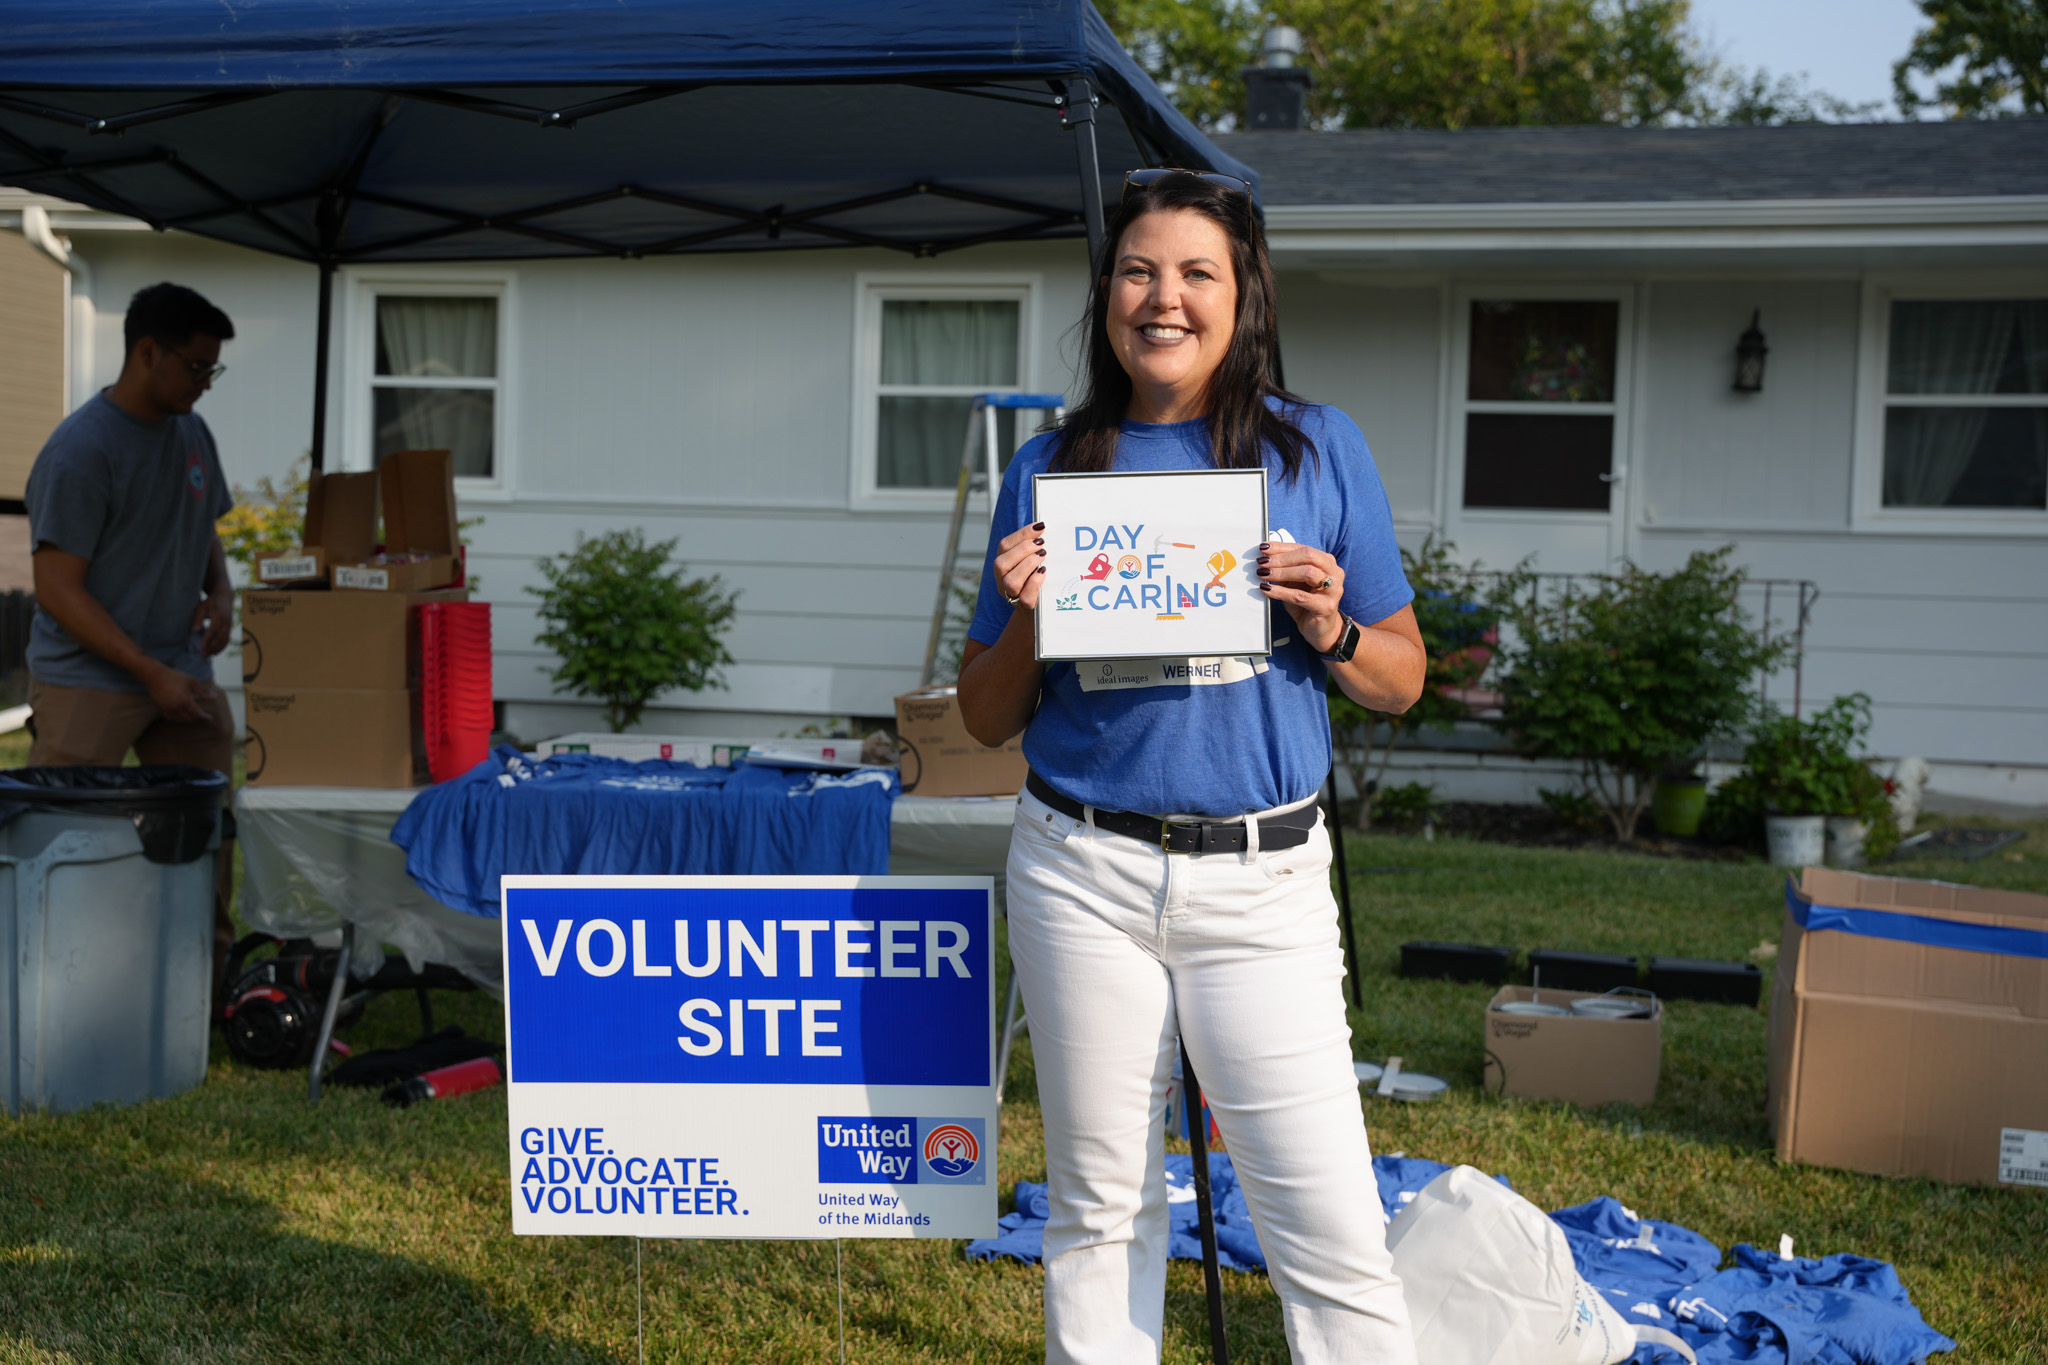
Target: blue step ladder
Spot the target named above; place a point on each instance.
(977, 475)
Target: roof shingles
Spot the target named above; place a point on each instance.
(1603, 164)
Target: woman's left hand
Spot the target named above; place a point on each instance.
(1310, 584)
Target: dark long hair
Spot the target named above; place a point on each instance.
(1242, 424)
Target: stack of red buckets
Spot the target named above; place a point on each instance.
(455, 685)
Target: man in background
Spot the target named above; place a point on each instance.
(132, 590)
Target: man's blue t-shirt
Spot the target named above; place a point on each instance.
(1245, 734)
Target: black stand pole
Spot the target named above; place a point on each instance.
(1344, 886)
(1205, 1212)
(1077, 113)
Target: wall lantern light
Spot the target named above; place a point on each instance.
(1749, 357)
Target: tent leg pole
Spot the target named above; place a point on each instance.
(321, 350)
(1344, 887)
(1193, 1104)
(1079, 115)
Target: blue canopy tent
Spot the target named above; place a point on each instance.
(343, 131)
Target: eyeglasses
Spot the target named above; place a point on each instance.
(1152, 175)
(202, 371)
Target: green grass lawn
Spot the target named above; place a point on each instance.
(235, 1224)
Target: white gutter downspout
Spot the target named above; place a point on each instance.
(79, 316)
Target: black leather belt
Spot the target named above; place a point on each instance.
(1185, 836)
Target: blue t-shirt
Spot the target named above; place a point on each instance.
(1228, 735)
(137, 501)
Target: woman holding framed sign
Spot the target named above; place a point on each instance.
(1168, 873)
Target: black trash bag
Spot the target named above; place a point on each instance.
(175, 807)
(389, 1064)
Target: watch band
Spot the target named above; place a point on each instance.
(1346, 646)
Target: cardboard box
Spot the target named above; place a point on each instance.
(1567, 1057)
(298, 638)
(1898, 1056)
(941, 759)
(334, 737)
(417, 490)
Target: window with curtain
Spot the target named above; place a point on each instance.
(1539, 404)
(435, 382)
(935, 355)
(1966, 404)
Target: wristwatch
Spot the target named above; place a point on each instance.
(1346, 646)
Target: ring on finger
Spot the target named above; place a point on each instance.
(1327, 581)
(1013, 601)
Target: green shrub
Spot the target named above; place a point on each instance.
(1634, 678)
(1572, 808)
(626, 626)
(1411, 803)
(1457, 606)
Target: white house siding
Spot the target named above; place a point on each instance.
(1948, 633)
(1371, 350)
(707, 399)
(712, 400)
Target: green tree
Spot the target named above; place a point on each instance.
(1192, 49)
(1495, 63)
(1985, 57)
(627, 626)
(1464, 63)
(1633, 678)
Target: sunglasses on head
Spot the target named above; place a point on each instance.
(1152, 175)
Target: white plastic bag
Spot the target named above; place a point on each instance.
(1489, 1280)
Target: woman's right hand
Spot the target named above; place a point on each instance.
(1020, 565)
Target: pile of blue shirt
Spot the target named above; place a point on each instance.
(1762, 1310)
(579, 813)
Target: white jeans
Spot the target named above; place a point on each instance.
(1119, 949)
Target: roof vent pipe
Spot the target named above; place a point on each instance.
(1281, 46)
(1276, 90)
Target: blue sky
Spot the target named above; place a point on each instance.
(1846, 47)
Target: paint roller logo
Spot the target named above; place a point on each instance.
(1221, 563)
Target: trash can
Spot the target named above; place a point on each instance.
(106, 917)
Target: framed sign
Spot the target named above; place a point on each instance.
(1152, 565)
(792, 1057)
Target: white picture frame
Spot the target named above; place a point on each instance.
(1156, 564)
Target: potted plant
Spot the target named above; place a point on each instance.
(1815, 793)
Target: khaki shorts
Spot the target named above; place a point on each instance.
(90, 725)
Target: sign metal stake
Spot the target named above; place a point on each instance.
(839, 1259)
(639, 1309)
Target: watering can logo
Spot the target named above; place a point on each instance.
(1221, 563)
(1098, 567)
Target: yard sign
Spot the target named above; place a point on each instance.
(1152, 565)
(751, 1056)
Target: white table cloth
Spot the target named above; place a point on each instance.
(316, 857)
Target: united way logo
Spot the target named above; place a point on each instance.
(1130, 566)
(195, 473)
(951, 1152)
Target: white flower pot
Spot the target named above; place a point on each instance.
(1795, 840)
(1845, 841)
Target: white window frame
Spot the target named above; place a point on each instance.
(365, 285)
(872, 290)
(1873, 367)
(1457, 403)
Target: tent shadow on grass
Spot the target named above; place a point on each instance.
(104, 1260)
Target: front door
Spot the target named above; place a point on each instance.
(1539, 422)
